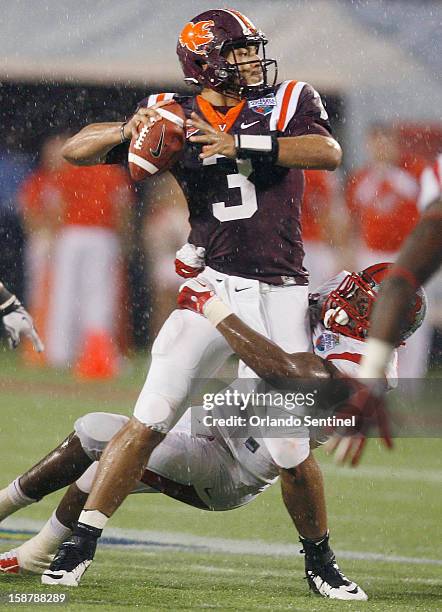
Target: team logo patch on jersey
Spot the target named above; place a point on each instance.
(263, 106)
(326, 342)
(195, 35)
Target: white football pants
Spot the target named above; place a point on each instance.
(201, 461)
(189, 349)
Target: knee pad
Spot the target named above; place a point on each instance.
(288, 452)
(155, 411)
(95, 429)
(86, 480)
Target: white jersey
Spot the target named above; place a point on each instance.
(223, 467)
(220, 465)
(346, 353)
(253, 459)
(430, 184)
(254, 465)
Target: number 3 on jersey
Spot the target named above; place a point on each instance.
(249, 202)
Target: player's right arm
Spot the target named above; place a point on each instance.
(268, 360)
(271, 363)
(419, 258)
(91, 145)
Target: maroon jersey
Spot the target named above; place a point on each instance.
(247, 215)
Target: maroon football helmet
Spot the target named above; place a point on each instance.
(347, 309)
(204, 43)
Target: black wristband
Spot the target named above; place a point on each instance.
(257, 148)
(8, 301)
(122, 136)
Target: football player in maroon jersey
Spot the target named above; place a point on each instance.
(248, 139)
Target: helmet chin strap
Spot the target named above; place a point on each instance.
(336, 315)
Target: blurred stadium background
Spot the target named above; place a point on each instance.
(68, 64)
(377, 65)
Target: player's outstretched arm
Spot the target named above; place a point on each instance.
(266, 358)
(312, 152)
(269, 361)
(418, 260)
(90, 145)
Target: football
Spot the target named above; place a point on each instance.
(156, 148)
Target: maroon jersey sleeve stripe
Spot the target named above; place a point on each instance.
(285, 105)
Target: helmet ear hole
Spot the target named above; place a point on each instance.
(221, 73)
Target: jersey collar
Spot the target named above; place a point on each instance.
(218, 120)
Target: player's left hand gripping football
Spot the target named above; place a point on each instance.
(214, 141)
(19, 323)
(195, 294)
(367, 405)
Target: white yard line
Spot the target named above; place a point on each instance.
(384, 473)
(163, 540)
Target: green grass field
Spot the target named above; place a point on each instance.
(384, 519)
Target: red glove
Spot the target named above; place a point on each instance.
(189, 260)
(367, 405)
(194, 294)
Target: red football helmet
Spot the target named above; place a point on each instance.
(347, 309)
(207, 38)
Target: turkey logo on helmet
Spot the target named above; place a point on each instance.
(196, 35)
(204, 43)
(347, 309)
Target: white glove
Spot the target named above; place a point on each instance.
(199, 296)
(189, 260)
(19, 323)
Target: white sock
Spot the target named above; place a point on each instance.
(57, 529)
(12, 499)
(93, 518)
(36, 554)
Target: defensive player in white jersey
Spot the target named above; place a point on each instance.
(17, 321)
(248, 140)
(211, 467)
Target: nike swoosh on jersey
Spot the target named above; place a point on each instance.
(157, 151)
(244, 126)
(242, 289)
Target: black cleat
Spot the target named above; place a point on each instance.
(323, 574)
(71, 561)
